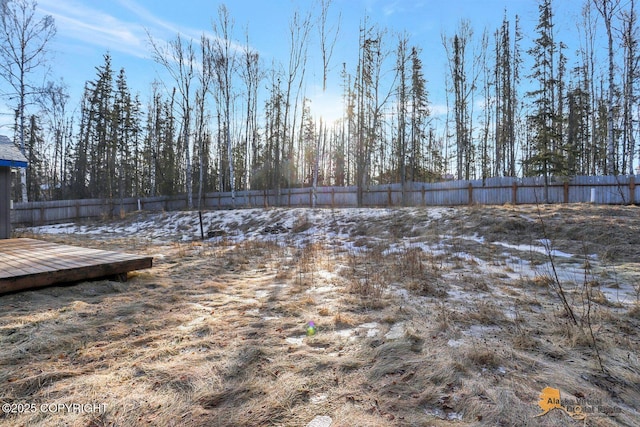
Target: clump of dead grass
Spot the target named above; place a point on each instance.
(417, 271)
(486, 313)
(484, 357)
(634, 311)
(366, 277)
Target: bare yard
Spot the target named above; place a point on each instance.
(425, 317)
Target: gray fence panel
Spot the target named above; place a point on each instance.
(497, 190)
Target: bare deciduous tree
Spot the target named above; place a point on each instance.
(179, 59)
(224, 63)
(327, 44)
(631, 74)
(23, 48)
(463, 88)
(53, 102)
(251, 76)
(607, 9)
(299, 30)
(206, 80)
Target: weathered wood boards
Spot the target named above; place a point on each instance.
(30, 263)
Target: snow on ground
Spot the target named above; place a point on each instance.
(545, 249)
(325, 225)
(347, 229)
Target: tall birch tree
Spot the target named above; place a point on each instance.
(23, 52)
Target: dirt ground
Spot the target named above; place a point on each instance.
(424, 317)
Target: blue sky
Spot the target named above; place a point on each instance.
(88, 29)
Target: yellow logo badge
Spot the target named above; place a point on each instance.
(550, 399)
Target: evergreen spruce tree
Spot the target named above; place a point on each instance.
(543, 158)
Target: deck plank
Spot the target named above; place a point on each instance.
(30, 263)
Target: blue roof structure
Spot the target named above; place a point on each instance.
(10, 155)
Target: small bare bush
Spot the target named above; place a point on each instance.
(484, 357)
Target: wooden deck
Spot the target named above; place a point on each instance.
(29, 263)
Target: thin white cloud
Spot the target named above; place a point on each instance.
(157, 25)
(391, 9)
(92, 26)
(164, 29)
(146, 16)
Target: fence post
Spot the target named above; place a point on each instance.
(632, 190)
(424, 201)
(333, 197)
(470, 194)
(566, 192)
(514, 193)
(389, 197)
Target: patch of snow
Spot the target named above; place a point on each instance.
(322, 289)
(371, 328)
(192, 350)
(438, 213)
(474, 238)
(468, 257)
(372, 333)
(401, 292)
(261, 293)
(326, 275)
(479, 331)
(318, 398)
(623, 293)
(439, 413)
(345, 333)
(66, 228)
(198, 306)
(511, 313)
(545, 250)
(396, 331)
(295, 340)
(454, 343)
(527, 218)
(320, 421)
(396, 248)
(190, 325)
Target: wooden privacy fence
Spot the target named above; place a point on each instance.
(620, 189)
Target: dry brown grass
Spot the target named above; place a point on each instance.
(214, 334)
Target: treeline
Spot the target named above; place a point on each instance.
(224, 122)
